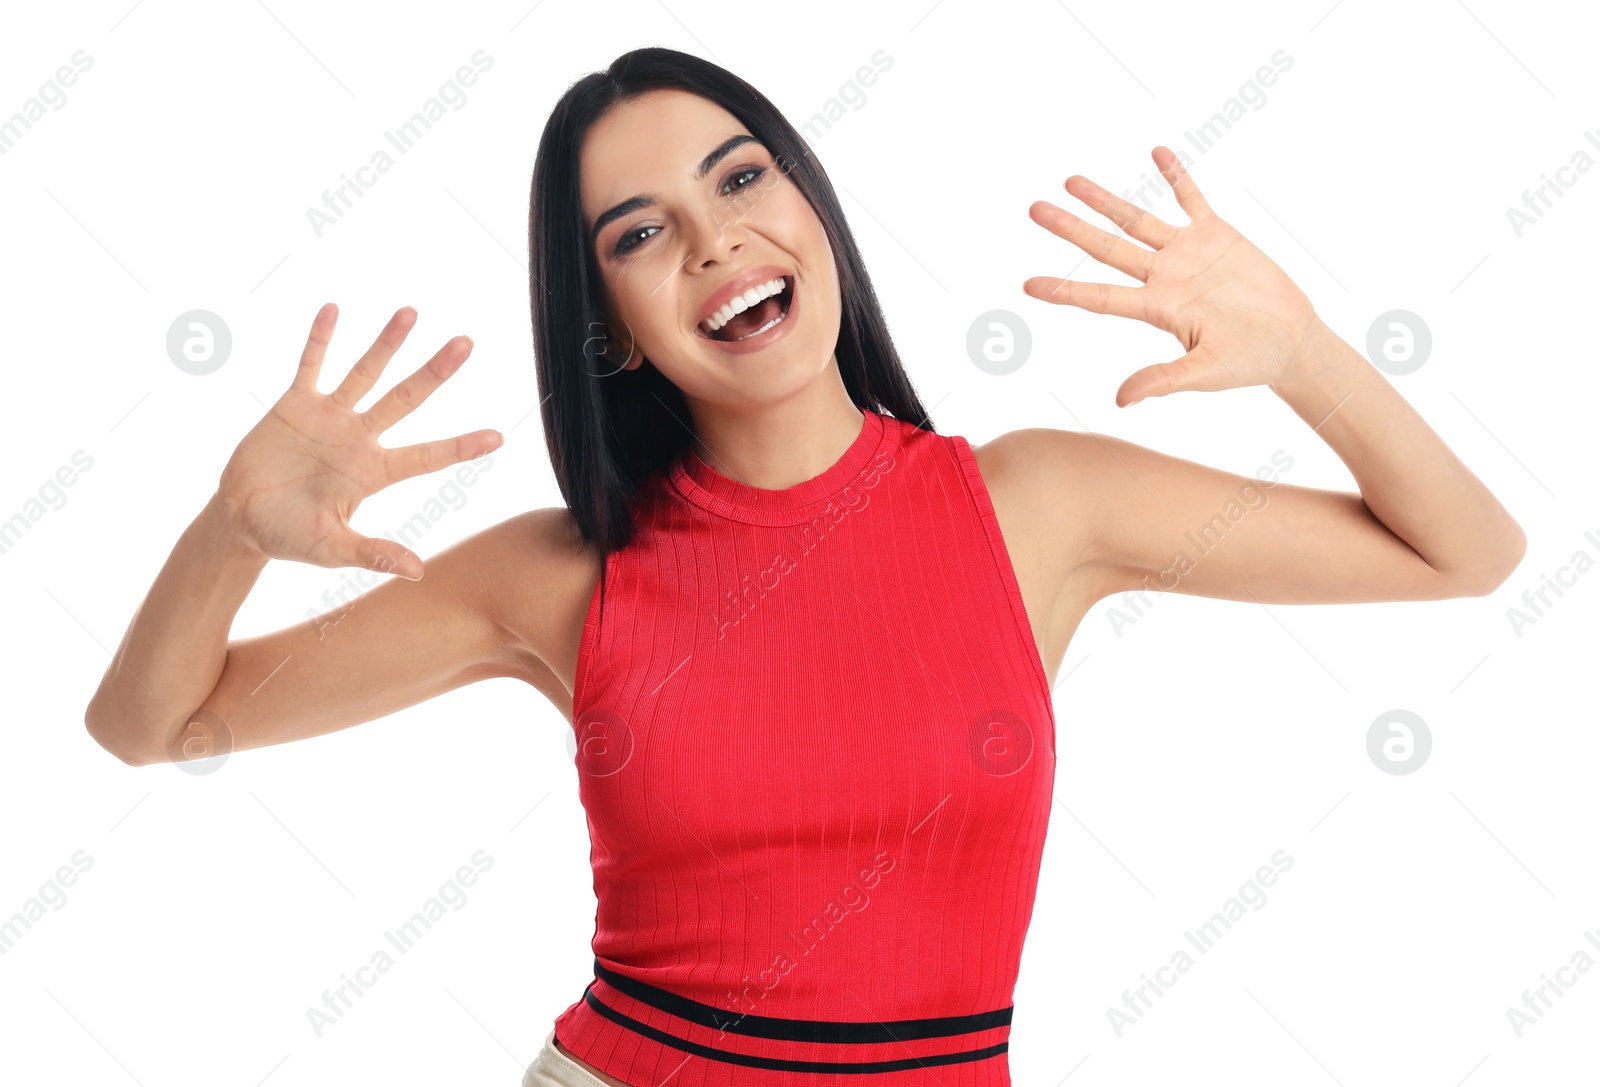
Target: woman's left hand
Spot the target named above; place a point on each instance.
(1239, 317)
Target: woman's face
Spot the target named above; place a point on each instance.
(685, 210)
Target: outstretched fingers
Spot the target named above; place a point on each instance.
(1201, 370)
(425, 457)
(1183, 187)
(404, 398)
(305, 378)
(365, 373)
(1134, 221)
(1094, 297)
(347, 547)
(1119, 253)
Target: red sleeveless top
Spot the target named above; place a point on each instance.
(816, 750)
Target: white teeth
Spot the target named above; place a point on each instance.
(741, 302)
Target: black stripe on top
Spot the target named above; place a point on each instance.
(795, 1030)
(777, 1064)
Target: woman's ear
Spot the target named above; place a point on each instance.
(609, 350)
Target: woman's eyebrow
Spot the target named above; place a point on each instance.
(645, 200)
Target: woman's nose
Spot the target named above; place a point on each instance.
(716, 233)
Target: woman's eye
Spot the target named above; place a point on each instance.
(753, 172)
(629, 240)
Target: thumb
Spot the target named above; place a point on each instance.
(1181, 374)
(387, 557)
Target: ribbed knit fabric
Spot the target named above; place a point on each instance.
(816, 750)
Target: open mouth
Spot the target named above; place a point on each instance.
(765, 315)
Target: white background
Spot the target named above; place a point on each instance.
(1193, 744)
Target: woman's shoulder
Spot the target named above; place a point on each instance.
(1042, 484)
(547, 574)
(1044, 464)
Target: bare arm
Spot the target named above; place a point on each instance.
(500, 603)
(288, 492)
(175, 647)
(1123, 517)
(1422, 527)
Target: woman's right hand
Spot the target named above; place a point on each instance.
(296, 478)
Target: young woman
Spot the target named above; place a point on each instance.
(805, 642)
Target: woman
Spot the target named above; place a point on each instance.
(805, 642)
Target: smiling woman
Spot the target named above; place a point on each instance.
(641, 168)
(743, 374)
(793, 628)
(718, 449)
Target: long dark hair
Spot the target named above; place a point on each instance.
(608, 432)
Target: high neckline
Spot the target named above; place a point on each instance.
(725, 496)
